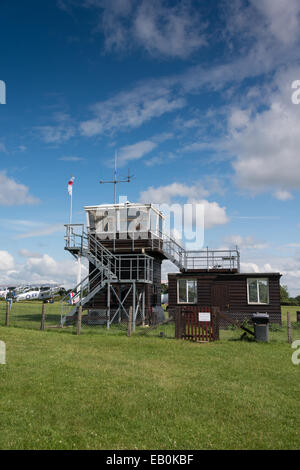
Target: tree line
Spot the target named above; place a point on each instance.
(285, 298)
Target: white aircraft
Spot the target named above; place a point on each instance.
(3, 293)
(39, 293)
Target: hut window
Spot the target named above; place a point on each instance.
(258, 291)
(187, 291)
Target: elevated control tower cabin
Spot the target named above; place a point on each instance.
(135, 232)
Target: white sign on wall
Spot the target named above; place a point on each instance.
(204, 316)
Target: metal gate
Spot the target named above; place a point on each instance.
(200, 324)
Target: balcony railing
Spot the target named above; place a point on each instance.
(212, 260)
(174, 250)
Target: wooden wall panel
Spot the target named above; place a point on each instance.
(234, 288)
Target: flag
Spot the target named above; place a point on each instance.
(70, 185)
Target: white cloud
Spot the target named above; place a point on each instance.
(55, 134)
(135, 151)
(249, 268)
(164, 29)
(164, 194)
(167, 267)
(61, 131)
(288, 266)
(13, 193)
(162, 158)
(38, 269)
(281, 18)
(245, 243)
(161, 29)
(214, 214)
(154, 161)
(71, 159)
(238, 119)
(283, 195)
(29, 254)
(271, 25)
(267, 144)
(6, 261)
(194, 195)
(91, 127)
(175, 31)
(130, 109)
(260, 47)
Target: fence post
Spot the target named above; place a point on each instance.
(176, 324)
(129, 322)
(7, 313)
(289, 328)
(216, 322)
(179, 323)
(42, 327)
(79, 316)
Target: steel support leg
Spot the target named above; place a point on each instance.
(143, 307)
(108, 307)
(133, 305)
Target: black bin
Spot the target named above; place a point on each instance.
(261, 326)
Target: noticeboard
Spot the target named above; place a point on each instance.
(204, 316)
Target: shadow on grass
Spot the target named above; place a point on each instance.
(244, 337)
(34, 318)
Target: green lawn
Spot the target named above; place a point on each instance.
(292, 310)
(60, 391)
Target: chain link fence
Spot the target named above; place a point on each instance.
(38, 315)
(114, 320)
(28, 314)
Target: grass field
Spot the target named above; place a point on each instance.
(107, 391)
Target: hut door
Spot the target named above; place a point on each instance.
(220, 297)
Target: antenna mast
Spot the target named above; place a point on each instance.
(116, 181)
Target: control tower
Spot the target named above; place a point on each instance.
(125, 245)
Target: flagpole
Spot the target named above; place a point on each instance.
(115, 180)
(70, 191)
(71, 195)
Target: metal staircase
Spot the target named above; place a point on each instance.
(173, 250)
(109, 268)
(81, 244)
(93, 283)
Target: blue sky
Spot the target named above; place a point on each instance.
(196, 98)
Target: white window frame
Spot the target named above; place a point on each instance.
(186, 280)
(248, 293)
